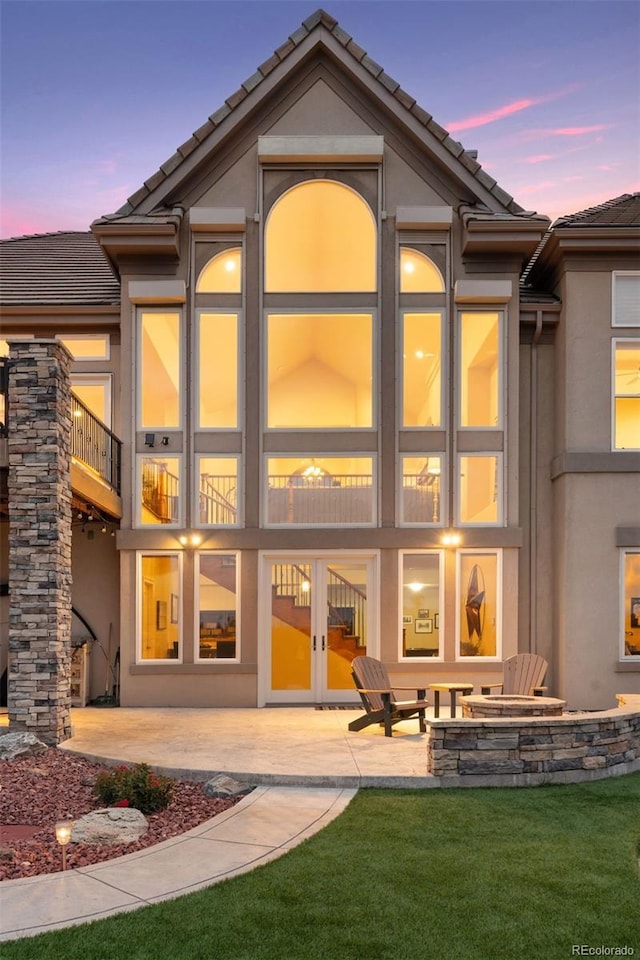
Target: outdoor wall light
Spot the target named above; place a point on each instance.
(63, 836)
(451, 539)
(190, 539)
(149, 439)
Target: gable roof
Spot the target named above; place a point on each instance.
(320, 20)
(49, 269)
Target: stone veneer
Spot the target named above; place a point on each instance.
(534, 750)
(39, 447)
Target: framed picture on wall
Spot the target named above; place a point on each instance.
(161, 614)
(174, 608)
(436, 621)
(407, 619)
(424, 625)
(423, 613)
(635, 613)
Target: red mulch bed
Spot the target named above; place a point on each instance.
(37, 791)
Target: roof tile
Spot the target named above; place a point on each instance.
(341, 35)
(137, 197)
(404, 98)
(472, 165)
(237, 97)
(171, 164)
(485, 179)
(269, 65)
(501, 195)
(203, 132)
(356, 50)
(298, 35)
(188, 146)
(154, 181)
(453, 146)
(421, 115)
(67, 268)
(371, 65)
(285, 49)
(220, 114)
(252, 82)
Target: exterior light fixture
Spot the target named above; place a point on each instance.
(190, 539)
(184, 539)
(63, 836)
(451, 539)
(196, 539)
(149, 439)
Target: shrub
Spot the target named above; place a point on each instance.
(135, 787)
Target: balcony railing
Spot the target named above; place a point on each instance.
(94, 445)
(326, 500)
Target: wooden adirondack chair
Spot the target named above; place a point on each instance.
(377, 695)
(522, 676)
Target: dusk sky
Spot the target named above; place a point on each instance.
(96, 95)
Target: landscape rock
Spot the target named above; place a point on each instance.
(20, 744)
(223, 786)
(110, 825)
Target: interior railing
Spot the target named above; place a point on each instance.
(346, 603)
(160, 491)
(218, 500)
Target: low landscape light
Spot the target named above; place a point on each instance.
(63, 836)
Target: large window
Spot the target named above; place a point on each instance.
(319, 370)
(159, 369)
(631, 602)
(324, 491)
(626, 398)
(480, 369)
(217, 492)
(159, 607)
(422, 369)
(479, 489)
(159, 490)
(421, 487)
(479, 602)
(422, 627)
(217, 606)
(217, 351)
(320, 237)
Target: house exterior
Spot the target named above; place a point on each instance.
(361, 402)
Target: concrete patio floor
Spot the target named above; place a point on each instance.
(284, 745)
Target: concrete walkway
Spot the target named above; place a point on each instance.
(306, 764)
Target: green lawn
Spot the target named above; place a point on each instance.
(446, 874)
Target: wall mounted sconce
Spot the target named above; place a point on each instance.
(149, 439)
(190, 539)
(63, 836)
(165, 441)
(451, 539)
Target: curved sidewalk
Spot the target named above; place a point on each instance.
(261, 827)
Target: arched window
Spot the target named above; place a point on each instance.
(222, 274)
(418, 274)
(320, 237)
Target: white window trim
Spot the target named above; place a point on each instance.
(240, 351)
(146, 661)
(305, 455)
(441, 605)
(322, 311)
(137, 486)
(479, 552)
(623, 655)
(96, 337)
(444, 488)
(444, 370)
(614, 276)
(499, 457)
(614, 395)
(502, 373)
(239, 491)
(137, 372)
(196, 606)
(98, 380)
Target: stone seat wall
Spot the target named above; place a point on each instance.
(534, 750)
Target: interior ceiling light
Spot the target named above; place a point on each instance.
(416, 586)
(313, 470)
(229, 265)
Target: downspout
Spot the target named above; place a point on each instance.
(533, 485)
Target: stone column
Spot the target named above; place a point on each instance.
(39, 486)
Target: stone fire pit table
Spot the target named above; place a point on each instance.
(478, 706)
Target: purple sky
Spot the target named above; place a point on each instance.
(96, 95)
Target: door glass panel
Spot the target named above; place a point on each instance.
(291, 645)
(346, 620)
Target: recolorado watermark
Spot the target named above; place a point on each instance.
(585, 950)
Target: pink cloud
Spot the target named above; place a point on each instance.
(481, 119)
(536, 187)
(577, 131)
(539, 158)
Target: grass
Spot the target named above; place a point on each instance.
(467, 874)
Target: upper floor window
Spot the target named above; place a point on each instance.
(418, 273)
(320, 237)
(222, 274)
(480, 369)
(217, 352)
(626, 298)
(319, 370)
(90, 346)
(159, 369)
(422, 368)
(626, 399)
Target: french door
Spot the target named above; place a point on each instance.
(316, 617)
